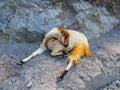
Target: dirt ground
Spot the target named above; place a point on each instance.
(40, 72)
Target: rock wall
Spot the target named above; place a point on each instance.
(26, 21)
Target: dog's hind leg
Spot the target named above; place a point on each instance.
(35, 53)
(64, 72)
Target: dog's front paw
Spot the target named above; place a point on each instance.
(67, 49)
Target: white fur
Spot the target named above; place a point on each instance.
(70, 64)
(74, 38)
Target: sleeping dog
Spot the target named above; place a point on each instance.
(59, 40)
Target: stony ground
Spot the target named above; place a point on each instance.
(100, 72)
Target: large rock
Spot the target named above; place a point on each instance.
(32, 18)
(93, 20)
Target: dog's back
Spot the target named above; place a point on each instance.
(76, 37)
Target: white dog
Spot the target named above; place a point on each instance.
(59, 40)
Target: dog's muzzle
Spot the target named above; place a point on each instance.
(66, 45)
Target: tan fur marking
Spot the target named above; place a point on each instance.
(65, 34)
(60, 29)
(46, 41)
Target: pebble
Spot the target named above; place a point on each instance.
(29, 85)
(113, 86)
(3, 57)
(11, 56)
(1, 80)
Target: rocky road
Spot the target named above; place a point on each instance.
(40, 72)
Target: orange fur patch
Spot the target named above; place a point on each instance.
(60, 29)
(79, 51)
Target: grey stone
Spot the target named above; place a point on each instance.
(96, 20)
(82, 6)
(40, 16)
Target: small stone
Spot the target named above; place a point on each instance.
(117, 83)
(3, 57)
(1, 80)
(11, 56)
(29, 85)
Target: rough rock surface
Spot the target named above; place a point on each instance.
(40, 72)
(25, 21)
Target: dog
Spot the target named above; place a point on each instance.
(59, 40)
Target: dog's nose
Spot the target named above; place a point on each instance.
(66, 45)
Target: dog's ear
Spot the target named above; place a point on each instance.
(60, 29)
(65, 34)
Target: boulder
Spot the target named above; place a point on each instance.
(22, 20)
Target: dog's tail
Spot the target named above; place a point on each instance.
(87, 53)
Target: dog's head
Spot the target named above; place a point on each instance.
(64, 39)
